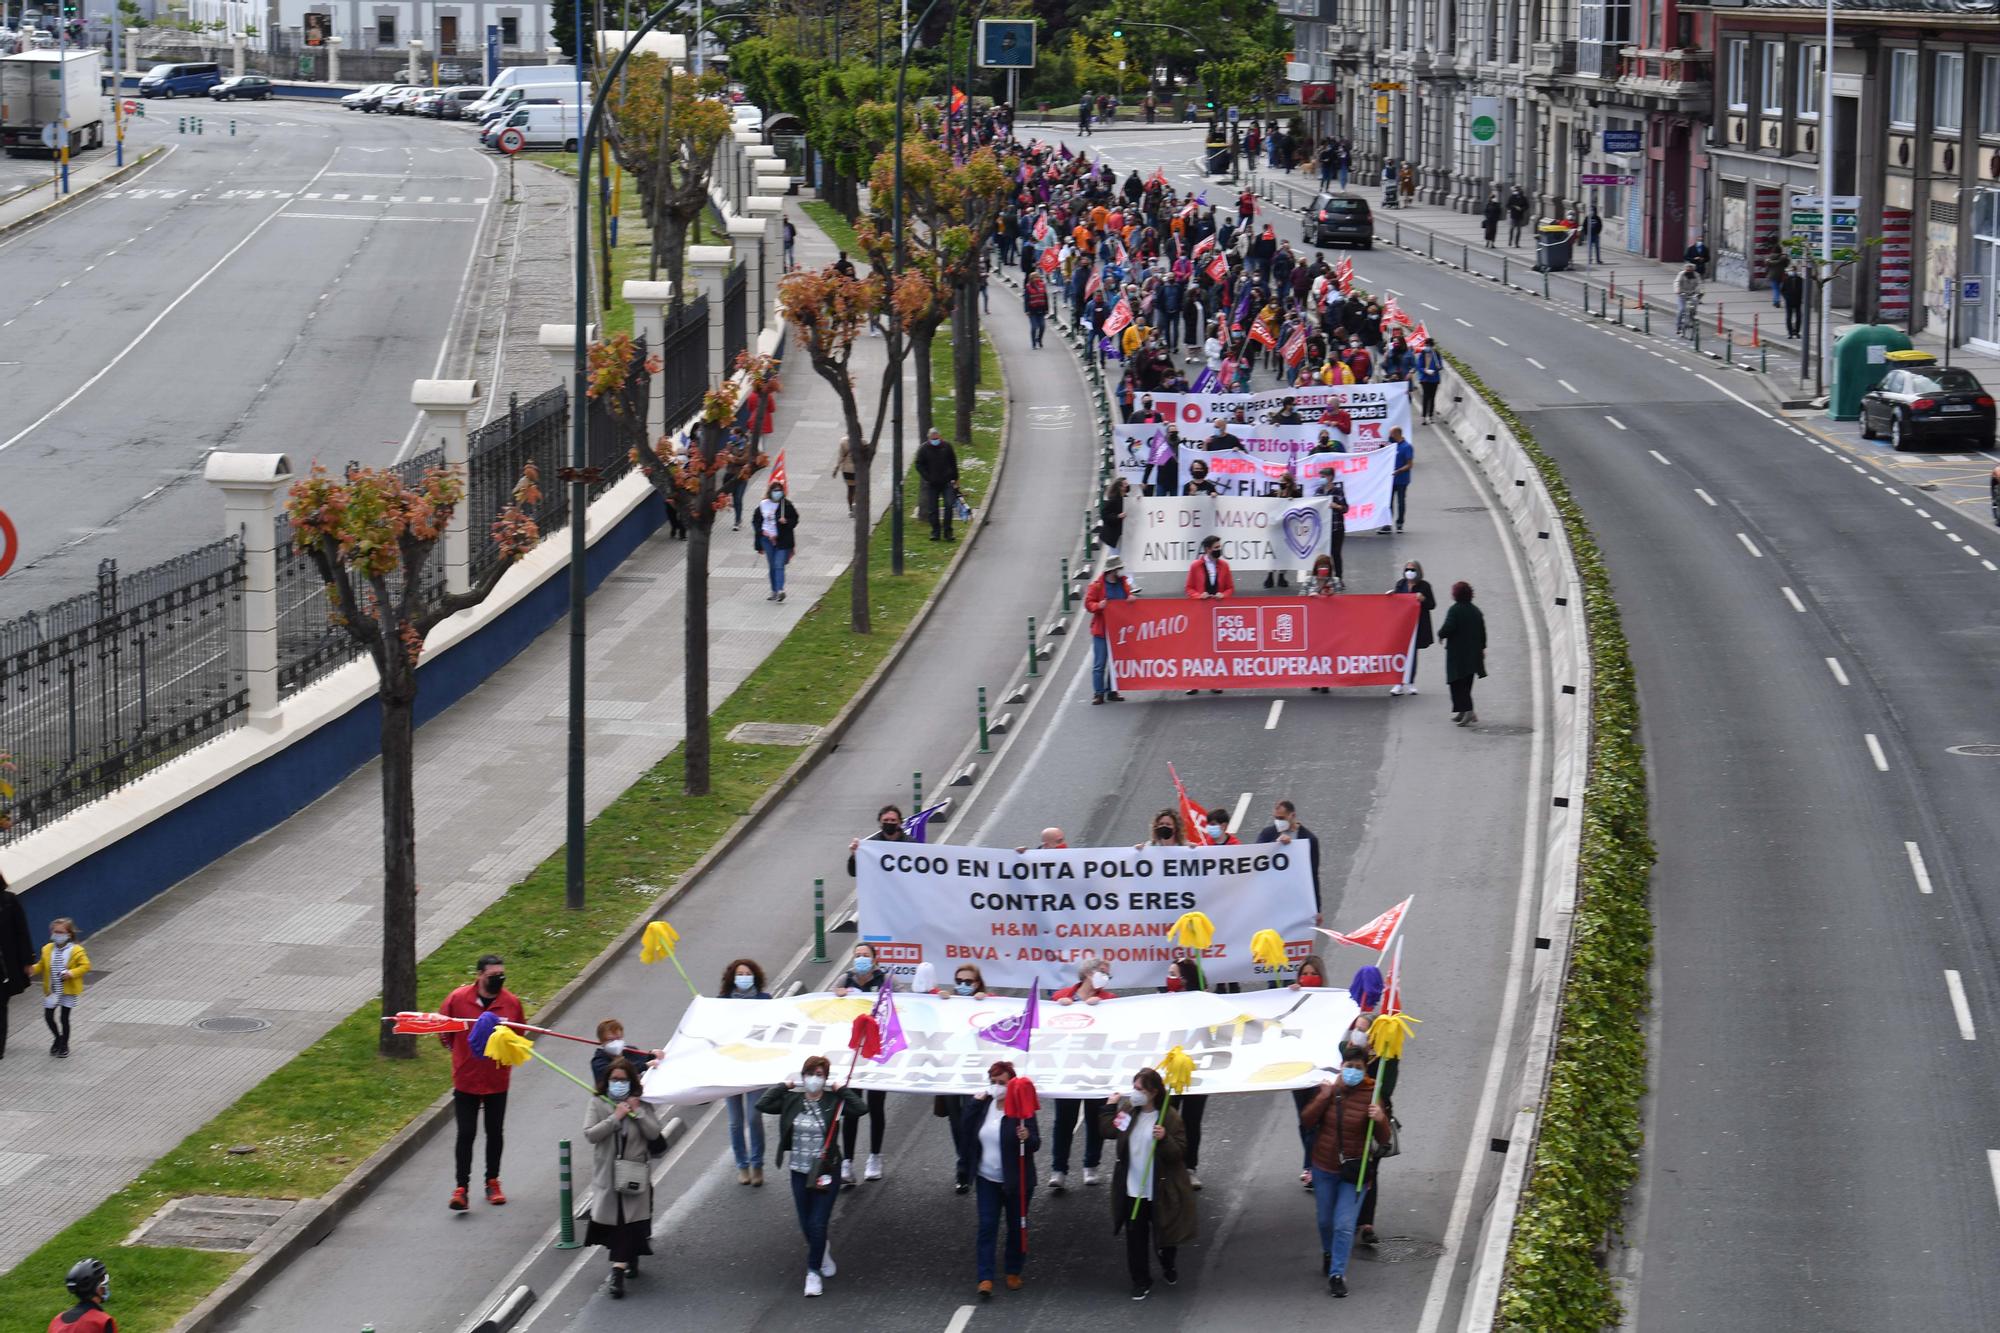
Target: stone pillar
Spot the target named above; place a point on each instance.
(737, 180)
(707, 268)
(754, 154)
(236, 45)
(771, 212)
(250, 484)
(445, 405)
(649, 302)
(559, 341)
(770, 176)
(746, 239)
(333, 60)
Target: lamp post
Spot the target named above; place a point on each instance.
(1826, 197)
(896, 328)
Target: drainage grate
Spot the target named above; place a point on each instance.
(232, 1023)
(773, 733)
(1983, 750)
(1400, 1249)
(213, 1222)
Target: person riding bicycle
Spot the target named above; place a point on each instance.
(1687, 296)
(90, 1283)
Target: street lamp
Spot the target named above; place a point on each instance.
(895, 328)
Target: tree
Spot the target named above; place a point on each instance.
(1819, 273)
(664, 130)
(695, 483)
(131, 15)
(562, 28)
(370, 536)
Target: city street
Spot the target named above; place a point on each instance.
(274, 289)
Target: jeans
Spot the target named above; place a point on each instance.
(1592, 251)
(1337, 1204)
(1036, 323)
(466, 1107)
(736, 499)
(935, 501)
(776, 558)
(815, 1215)
(1093, 1141)
(1514, 231)
(1399, 503)
(1101, 678)
(1139, 1240)
(743, 1115)
(995, 1202)
(1325, 177)
(1776, 296)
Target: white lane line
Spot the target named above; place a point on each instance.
(1918, 868)
(1939, 526)
(1826, 448)
(1875, 753)
(960, 1318)
(1664, 460)
(1242, 807)
(1923, 513)
(1960, 1010)
(1706, 498)
(1536, 364)
(1893, 491)
(1908, 501)
(1616, 422)
(1989, 564)
(1833, 665)
(1969, 550)
(1750, 546)
(1793, 598)
(1571, 387)
(1737, 396)
(1466, 322)
(1271, 722)
(1993, 1165)
(1427, 305)
(1490, 338)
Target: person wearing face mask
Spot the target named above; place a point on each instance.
(1311, 976)
(809, 1113)
(1464, 635)
(1339, 1116)
(1285, 829)
(90, 1282)
(744, 980)
(1166, 830)
(619, 1127)
(1209, 577)
(1413, 582)
(61, 968)
(968, 983)
(1151, 1168)
(479, 1085)
(864, 975)
(1093, 979)
(773, 534)
(1109, 586)
(611, 1044)
(937, 470)
(1366, 990)
(998, 1152)
(888, 828)
(1217, 829)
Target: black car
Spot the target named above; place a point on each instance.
(1340, 219)
(1911, 406)
(249, 87)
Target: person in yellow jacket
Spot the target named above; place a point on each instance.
(62, 966)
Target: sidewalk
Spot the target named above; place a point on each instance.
(86, 176)
(294, 914)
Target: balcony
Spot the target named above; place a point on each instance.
(1677, 76)
(1550, 59)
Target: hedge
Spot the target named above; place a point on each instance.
(1586, 1155)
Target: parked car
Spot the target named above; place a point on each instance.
(249, 87)
(747, 117)
(1340, 219)
(541, 125)
(513, 99)
(452, 106)
(399, 101)
(362, 98)
(1912, 406)
(185, 80)
(426, 102)
(454, 74)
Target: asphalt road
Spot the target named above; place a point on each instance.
(1813, 634)
(272, 291)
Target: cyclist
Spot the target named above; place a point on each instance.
(90, 1283)
(1687, 298)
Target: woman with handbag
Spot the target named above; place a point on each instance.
(809, 1115)
(1339, 1116)
(620, 1127)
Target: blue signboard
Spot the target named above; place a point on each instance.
(1007, 43)
(1621, 141)
(492, 53)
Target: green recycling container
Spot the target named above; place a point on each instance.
(1860, 360)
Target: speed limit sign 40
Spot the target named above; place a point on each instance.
(512, 140)
(10, 542)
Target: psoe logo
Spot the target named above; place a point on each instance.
(1235, 631)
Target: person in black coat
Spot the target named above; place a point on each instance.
(1413, 581)
(773, 534)
(1489, 219)
(1111, 515)
(17, 954)
(997, 1152)
(937, 469)
(1285, 828)
(1464, 636)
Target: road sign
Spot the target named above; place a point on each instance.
(1971, 291)
(10, 542)
(1842, 203)
(512, 141)
(1607, 180)
(51, 134)
(131, 107)
(1233, 114)
(1621, 141)
(1482, 119)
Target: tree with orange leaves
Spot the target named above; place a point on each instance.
(371, 535)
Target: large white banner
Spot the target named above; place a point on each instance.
(1028, 916)
(1374, 408)
(1364, 479)
(1276, 449)
(1257, 1041)
(1163, 536)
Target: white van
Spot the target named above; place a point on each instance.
(543, 126)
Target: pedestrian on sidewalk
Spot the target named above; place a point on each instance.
(1109, 586)
(937, 470)
(844, 465)
(1793, 288)
(1329, 163)
(1464, 636)
(1427, 374)
(997, 1152)
(479, 1085)
(774, 535)
(621, 1129)
(1517, 215)
(1697, 255)
(1776, 262)
(1413, 581)
(90, 1282)
(744, 980)
(1092, 986)
(1406, 183)
(1151, 1170)
(1035, 301)
(17, 954)
(1593, 230)
(791, 239)
(808, 1114)
(62, 968)
(1489, 219)
(866, 975)
(1339, 1116)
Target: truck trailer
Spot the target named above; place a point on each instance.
(36, 87)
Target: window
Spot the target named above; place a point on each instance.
(1738, 74)
(1989, 95)
(1948, 92)
(1771, 77)
(385, 30)
(510, 30)
(1809, 82)
(1903, 89)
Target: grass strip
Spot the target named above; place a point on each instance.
(1587, 1152)
(833, 224)
(320, 1113)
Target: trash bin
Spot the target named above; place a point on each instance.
(1218, 157)
(1553, 244)
(1861, 357)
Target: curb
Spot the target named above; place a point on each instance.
(83, 192)
(317, 1218)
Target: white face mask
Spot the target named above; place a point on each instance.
(1410, 574)
(1099, 980)
(1283, 825)
(619, 1090)
(60, 937)
(616, 1046)
(1215, 831)
(815, 1082)
(998, 1090)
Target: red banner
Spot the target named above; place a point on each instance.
(1261, 643)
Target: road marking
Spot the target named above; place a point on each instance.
(1923, 513)
(1242, 806)
(1271, 722)
(1497, 341)
(1616, 422)
(370, 217)
(1875, 753)
(1908, 501)
(1662, 457)
(1960, 1010)
(1989, 564)
(1737, 396)
(1749, 546)
(1893, 491)
(1793, 598)
(1536, 364)
(1833, 665)
(1918, 868)
(1466, 322)
(1993, 1165)
(1427, 305)
(960, 1318)
(1706, 498)
(1939, 526)
(1826, 448)
(1567, 385)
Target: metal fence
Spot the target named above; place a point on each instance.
(735, 317)
(533, 432)
(684, 360)
(99, 688)
(617, 424)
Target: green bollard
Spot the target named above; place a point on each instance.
(916, 792)
(184, 126)
(1545, 284)
(1505, 280)
(566, 1216)
(1065, 584)
(1621, 314)
(1647, 311)
(1729, 352)
(819, 921)
(232, 129)
(984, 747)
(1697, 337)
(1465, 258)
(1430, 245)
(1764, 359)
(1034, 662)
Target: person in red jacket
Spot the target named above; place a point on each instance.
(1109, 586)
(1209, 576)
(479, 1085)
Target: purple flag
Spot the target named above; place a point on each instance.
(1162, 452)
(890, 1026)
(1019, 1030)
(1205, 382)
(914, 825)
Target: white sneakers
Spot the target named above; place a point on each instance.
(874, 1171)
(1090, 1175)
(1409, 689)
(1058, 1181)
(1395, 689)
(1194, 1181)
(826, 1265)
(847, 1171)
(813, 1287)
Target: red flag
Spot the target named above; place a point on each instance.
(1218, 268)
(778, 477)
(1194, 820)
(1120, 316)
(1201, 247)
(1159, 177)
(1377, 933)
(1093, 286)
(411, 1022)
(1049, 261)
(1260, 332)
(1042, 227)
(957, 99)
(1295, 346)
(1420, 339)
